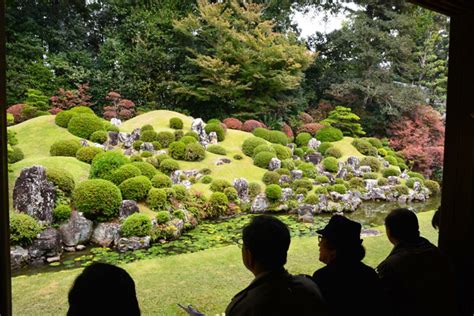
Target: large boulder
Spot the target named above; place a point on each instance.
(286, 194)
(314, 158)
(274, 164)
(147, 147)
(284, 179)
(260, 204)
(127, 208)
(314, 143)
(353, 162)
(48, 244)
(213, 138)
(76, 230)
(135, 135)
(19, 257)
(34, 194)
(296, 174)
(106, 234)
(133, 243)
(242, 187)
(197, 126)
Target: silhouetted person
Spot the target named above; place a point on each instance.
(273, 291)
(349, 286)
(416, 276)
(103, 289)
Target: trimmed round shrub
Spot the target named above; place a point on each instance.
(178, 134)
(179, 214)
(61, 178)
(298, 152)
(165, 138)
(162, 157)
(271, 177)
(233, 123)
(15, 155)
(153, 161)
(324, 147)
(303, 183)
(123, 173)
(62, 118)
(181, 192)
(23, 229)
(98, 199)
(161, 181)
(372, 162)
(219, 185)
(277, 137)
(311, 199)
(249, 145)
(231, 194)
(176, 123)
(250, 125)
(283, 171)
(192, 134)
(262, 159)
(105, 163)
(238, 157)
(157, 199)
(254, 189)
(67, 148)
(356, 182)
(81, 110)
(162, 217)
(215, 127)
(188, 140)
(382, 181)
(261, 132)
(136, 158)
(329, 134)
(288, 164)
(309, 170)
(282, 152)
(411, 182)
(263, 148)
(167, 166)
(177, 150)
(214, 121)
(371, 175)
(273, 192)
(109, 127)
(146, 154)
(320, 190)
(205, 171)
(146, 127)
(301, 191)
(339, 188)
(377, 143)
(135, 188)
(87, 154)
(333, 152)
(194, 152)
(156, 145)
(392, 160)
(382, 152)
(217, 205)
(137, 224)
(391, 171)
(83, 125)
(433, 186)
(206, 179)
(322, 179)
(147, 169)
(418, 175)
(61, 213)
(99, 137)
(302, 139)
(364, 147)
(149, 136)
(401, 189)
(330, 164)
(216, 149)
(137, 144)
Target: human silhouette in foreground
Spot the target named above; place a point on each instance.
(349, 286)
(416, 276)
(103, 289)
(273, 291)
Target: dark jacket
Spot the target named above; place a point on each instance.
(350, 288)
(278, 293)
(417, 278)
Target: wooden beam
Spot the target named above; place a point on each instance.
(447, 7)
(457, 216)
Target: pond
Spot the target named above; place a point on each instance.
(212, 234)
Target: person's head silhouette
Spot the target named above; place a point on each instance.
(402, 226)
(103, 289)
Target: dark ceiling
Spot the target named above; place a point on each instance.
(448, 7)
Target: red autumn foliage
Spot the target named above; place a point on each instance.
(419, 135)
(16, 110)
(285, 128)
(54, 111)
(305, 118)
(311, 128)
(233, 123)
(321, 111)
(67, 99)
(224, 127)
(250, 125)
(120, 108)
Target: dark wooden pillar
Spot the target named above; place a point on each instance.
(457, 218)
(5, 275)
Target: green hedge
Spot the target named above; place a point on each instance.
(219, 185)
(330, 164)
(333, 152)
(157, 199)
(149, 136)
(165, 138)
(273, 192)
(87, 154)
(433, 186)
(262, 159)
(281, 151)
(99, 137)
(23, 229)
(167, 166)
(391, 171)
(147, 169)
(176, 123)
(262, 148)
(62, 118)
(15, 154)
(372, 162)
(254, 189)
(194, 152)
(123, 173)
(104, 164)
(215, 127)
(364, 147)
(217, 205)
(61, 178)
(135, 188)
(61, 213)
(216, 149)
(177, 150)
(162, 217)
(137, 224)
(271, 177)
(302, 139)
(66, 148)
(83, 125)
(329, 134)
(249, 145)
(161, 181)
(188, 140)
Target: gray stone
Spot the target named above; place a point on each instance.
(370, 184)
(314, 143)
(404, 175)
(19, 257)
(286, 194)
(123, 137)
(135, 135)
(342, 173)
(353, 162)
(242, 187)
(292, 147)
(304, 209)
(53, 259)
(284, 179)
(307, 218)
(76, 230)
(115, 121)
(80, 247)
(34, 194)
(147, 147)
(99, 146)
(47, 244)
(84, 143)
(179, 225)
(129, 151)
(127, 208)
(365, 169)
(314, 158)
(213, 138)
(351, 201)
(198, 126)
(70, 249)
(274, 164)
(133, 243)
(385, 163)
(187, 184)
(222, 161)
(260, 204)
(296, 174)
(329, 175)
(299, 198)
(392, 180)
(176, 176)
(191, 173)
(106, 234)
(417, 186)
(369, 233)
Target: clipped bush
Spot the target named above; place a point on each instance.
(15, 155)
(165, 138)
(137, 144)
(146, 127)
(162, 217)
(401, 189)
(372, 162)
(281, 151)
(411, 182)
(215, 127)
(147, 169)
(66, 148)
(87, 154)
(392, 160)
(109, 127)
(254, 189)
(137, 224)
(105, 163)
(177, 150)
(181, 192)
(23, 229)
(310, 128)
(188, 140)
(250, 125)
(433, 186)
(330, 164)
(322, 179)
(178, 134)
(263, 148)
(324, 147)
(339, 188)
(217, 205)
(298, 152)
(277, 137)
(382, 152)
(356, 182)
(377, 143)
(194, 152)
(391, 171)
(261, 132)
(192, 134)
(303, 191)
(61, 178)
(311, 199)
(123, 173)
(135, 188)
(250, 144)
(333, 152)
(271, 177)
(136, 158)
(413, 174)
(157, 199)
(302, 139)
(329, 134)
(216, 149)
(283, 171)
(99, 137)
(320, 190)
(303, 183)
(146, 154)
(262, 159)
(149, 136)
(61, 213)
(364, 147)
(176, 123)
(98, 199)
(83, 125)
(156, 145)
(231, 194)
(206, 179)
(205, 171)
(309, 170)
(62, 118)
(161, 181)
(382, 181)
(371, 175)
(82, 110)
(238, 157)
(167, 166)
(288, 164)
(273, 192)
(233, 123)
(219, 185)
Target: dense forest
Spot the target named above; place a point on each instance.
(242, 59)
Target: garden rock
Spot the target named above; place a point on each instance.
(300, 198)
(351, 201)
(222, 161)
(197, 126)
(147, 147)
(135, 135)
(365, 169)
(370, 184)
(323, 202)
(392, 180)
(18, 257)
(80, 247)
(128, 152)
(179, 225)
(190, 218)
(124, 138)
(404, 175)
(296, 174)
(127, 208)
(292, 147)
(286, 194)
(353, 162)
(213, 138)
(314, 143)
(369, 233)
(133, 243)
(106, 234)
(242, 187)
(76, 230)
(176, 176)
(385, 163)
(260, 204)
(192, 173)
(417, 186)
(115, 121)
(340, 165)
(34, 194)
(47, 244)
(274, 164)
(314, 158)
(284, 179)
(342, 173)
(329, 175)
(99, 146)
(84, 143)
(307, 218)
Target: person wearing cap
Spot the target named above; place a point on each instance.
(416, 276)
(273, 291)
(349, 286)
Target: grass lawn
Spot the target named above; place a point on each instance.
(207, 279)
